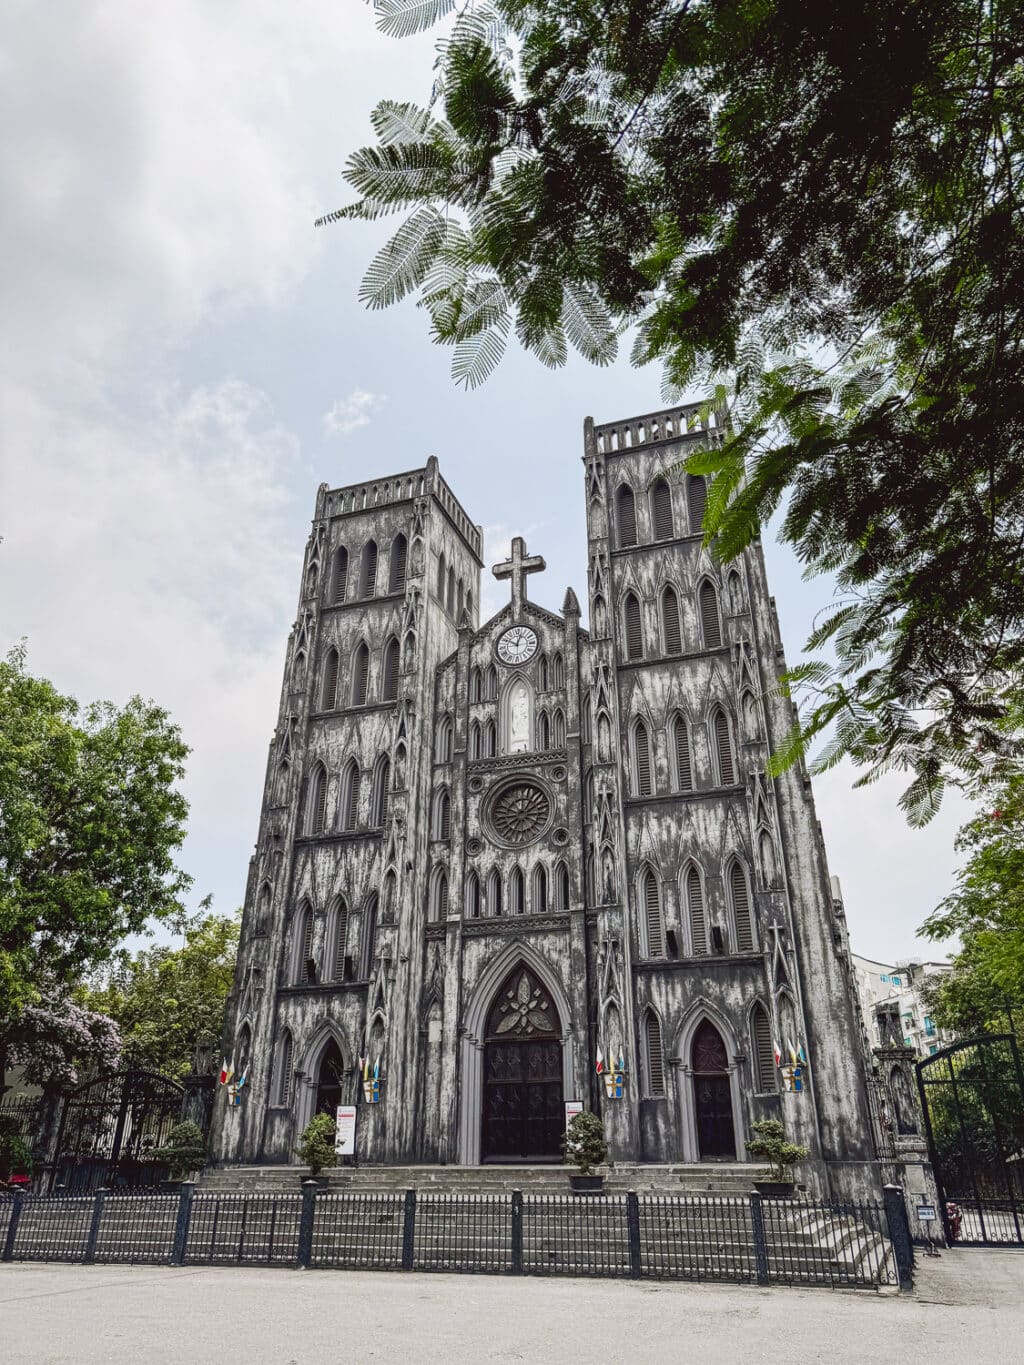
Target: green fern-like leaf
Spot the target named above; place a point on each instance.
(588, 325)
(402, 264)
(402, 173)
(396, 122)
(476, 358)
(401, 18)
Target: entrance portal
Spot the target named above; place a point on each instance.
(712, 1093)
(329, 1080)
(523, 1100)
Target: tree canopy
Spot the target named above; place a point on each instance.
(90, 816)
(166, 999)
(811, 213)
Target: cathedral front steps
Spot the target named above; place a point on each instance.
(718, 1178)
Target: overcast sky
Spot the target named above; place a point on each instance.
(184, 361)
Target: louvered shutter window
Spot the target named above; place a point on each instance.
(517, 896)
(661, 509)
(557, 671)
(340, 939)
(318, 802)
(369, 570)
(284, 1080)
(476, 685)
(764, 1051)
(389, 686)
(380, 801)
(494, 893)
(540, 891)
(444, 816)
(474, 740)
(330, 693)
(655, 1057)
(441, 898)
(339, 585)
(360, 675)
(723, 748)
(399, 555)
(634, 631)
(642, 744)
(305, 944)
(562, 883)
(350, 797)
(684, 770)
(709, 622)
(695, 906)
(490, 740)
(543, 731)
(741, 910)
(670, 622)
(696, 499)
(627, 516)
(473, 896)
(558, 731)
(652, 911)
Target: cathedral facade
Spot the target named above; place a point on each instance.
(505, 865)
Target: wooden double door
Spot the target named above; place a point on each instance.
(712, 1096)
(523, 1096)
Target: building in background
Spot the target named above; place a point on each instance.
(895, 989)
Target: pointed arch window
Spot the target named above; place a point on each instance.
(445, 739)
(350, 782)
(654, 1057)
(539, 898)
(492, 683)
(329, 690)
(654, 920)
(558, 730)
(735, 591)
(661, 510)
(317, 800)
(696, 502)
(473, 896)
(469, 604)
(625, 506)
(742, 916)
(339, 938)
(360, 674)
(543, 673)
(450, 591)
(695, 912)
(439, 896)
(681, 750)
(543, 731)
(263, 909)
(722, 741)
(339, 575)
(397, 564)
(561, 887)
(409, 651)
(633, 626)
(557, 671)
(443, 815)
(516, 892)
(460, 601)
(390, 882)
(283, 1086)
(369, 946)
(475, 742)
(389, 679)
(312, 574)
(710, 623)
(642, 764)
(381, 789)
(442, 578)
(494, 892)
(490, 739)
(763, 1049)
(671, 635)
(281, 783)
(476, 685)
(368, 569)
(586, 720)
(302, 972)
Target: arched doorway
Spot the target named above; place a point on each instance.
(523, 1097)
(712, 1095)
(330, 1080)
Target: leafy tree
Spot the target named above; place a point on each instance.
(57, 1039)
(167, 999)
(90, 815)
(816, 211)
(584, 1142)
(316, 1144)
(769, 1142)
(185, 1150)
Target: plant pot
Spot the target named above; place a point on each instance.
(322, 1179)
(775, 1189)
(586, 1184)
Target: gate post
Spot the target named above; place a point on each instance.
(17, 1199)
(760, 1241)
(94, 1228)
(899, 1235)
(633, 1230)
(409, 1229)
(181, 1223)
(517, 1232)
(305, 1249)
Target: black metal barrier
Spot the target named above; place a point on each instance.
(736, 1238)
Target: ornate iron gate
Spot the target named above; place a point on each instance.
(110, 1128)
(972, 1094)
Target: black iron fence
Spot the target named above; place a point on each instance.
(744, 1238)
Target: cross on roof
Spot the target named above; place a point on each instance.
(517, 568)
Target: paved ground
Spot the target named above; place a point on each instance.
(118, 1315)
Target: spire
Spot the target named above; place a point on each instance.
(571, 606)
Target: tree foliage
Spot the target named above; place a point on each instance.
(815, 212)
(90, 816)
(167, 999)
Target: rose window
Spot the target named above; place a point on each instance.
(520, 813)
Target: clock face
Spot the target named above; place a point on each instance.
(517, 645)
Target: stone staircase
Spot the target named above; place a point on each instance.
(719, 1178)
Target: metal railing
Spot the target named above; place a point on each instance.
(737, 1238)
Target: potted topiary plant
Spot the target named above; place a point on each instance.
(585, 1148)
(316, 1146)
(769, 1142)
(184, 1151)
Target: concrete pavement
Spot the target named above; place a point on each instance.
(88, 1315)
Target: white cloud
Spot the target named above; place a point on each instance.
(349, 414)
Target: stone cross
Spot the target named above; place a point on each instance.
(517, 568)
